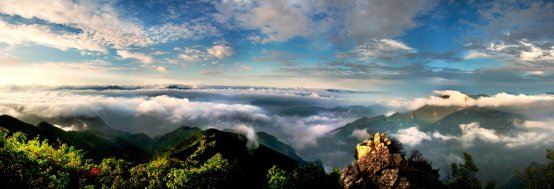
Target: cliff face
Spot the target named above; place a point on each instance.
(378, 164)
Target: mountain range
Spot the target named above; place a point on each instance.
(99, 141)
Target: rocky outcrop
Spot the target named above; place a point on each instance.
(378, 164)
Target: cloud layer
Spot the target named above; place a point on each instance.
(456, 98)
(167, 110)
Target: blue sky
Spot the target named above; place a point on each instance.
(413, 46)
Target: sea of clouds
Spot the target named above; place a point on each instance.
(156, 110)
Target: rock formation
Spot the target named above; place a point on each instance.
(378, 164)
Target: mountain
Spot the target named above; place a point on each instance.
(13, 125)
(77, 123)
(165, 142)
(101, 88)
(349, 111)
(96, 147)
(536, 171)
(100, 141)
(253, 161)
(426, 114)
(380, 163)
(375, 124)
(445, 119)
(499, 121)
(275, 144)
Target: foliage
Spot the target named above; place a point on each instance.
(305, 176)
(279, 179)
(491, 185)
(550, 168)
(151, 174)
(112, 173)
(420, 172)
(35, 164)
(216, 172)
(463, 174)
(538, 176)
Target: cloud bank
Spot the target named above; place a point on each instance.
(456, 98)
(473, 134)
(165, 109)
(157, 109)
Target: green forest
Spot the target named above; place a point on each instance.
(221, 159)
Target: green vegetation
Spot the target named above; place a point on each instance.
(36, 163)
(278, 178)
(43, 156)
(463, 174)
(305, 176)
(538, 176)
(421, 173)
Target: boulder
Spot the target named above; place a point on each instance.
(377, 165)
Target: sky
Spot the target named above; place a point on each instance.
(413, 46)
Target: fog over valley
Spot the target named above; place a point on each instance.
(502, 131)
(277, 94)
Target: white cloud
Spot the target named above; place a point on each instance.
(140, 111)
(62, 73)
(284, 20)
(7, 59)
(524, 52)
(360, 134)
(535, 53)
(161, 68)
(100, 26)
(473, 134)
(438, 135)
(473, 131)
(375, 19)
(411, 136)
(173, 110)
(145, 59)
(170, 31)
(536, 72)
(220, 50)
(250, 134)
(193, 55)
(527, 138)
(383, 48)
(539, 124)
(243, 67)
(42, 35)
(304, 131)
(476, 55)
(517, 33)
(456, 98)
(276, 20)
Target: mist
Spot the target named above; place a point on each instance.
(309, 126)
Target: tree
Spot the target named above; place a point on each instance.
(151, 174)
(421, 173)
(463, 174)
(113, 173)
(36, 164)
(279, 179)
(311, 175)
(491, 185)
(216, 172)
(550, 168)
(534, 176)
